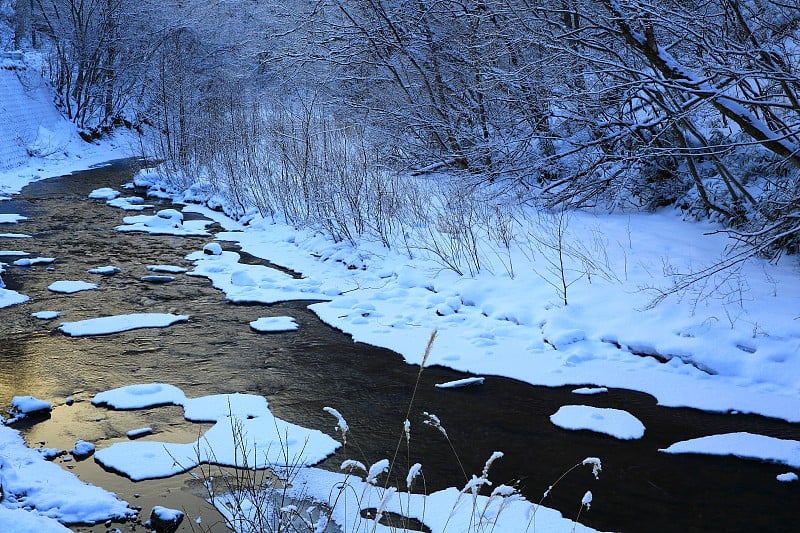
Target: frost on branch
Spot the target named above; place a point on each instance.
(596, 465)
(341, 423)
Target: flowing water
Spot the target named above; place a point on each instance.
(300, 372)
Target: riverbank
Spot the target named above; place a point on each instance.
(728, 344)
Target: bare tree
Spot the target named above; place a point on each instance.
(83, 57)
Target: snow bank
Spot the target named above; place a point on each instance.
(252, 283)
(9, 297)
(684, 352)
(29, 123)
(445, 511)
(36, 142)
(47, 491)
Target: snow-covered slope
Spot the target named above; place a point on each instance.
(36, 141)
(29, 123)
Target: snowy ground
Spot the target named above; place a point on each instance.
(740, 352)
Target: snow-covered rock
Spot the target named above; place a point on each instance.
(105, 193)
(212, 248)
(165, 520)
(82, 449)
(29, 405)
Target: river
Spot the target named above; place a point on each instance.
(300, 372)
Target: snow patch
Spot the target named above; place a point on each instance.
(245, 433)
(119, 323)
(69, 287)
(46, 315)
(274, 324)
(105, 193)
(614, 422)
(744, 445)
(466, 382)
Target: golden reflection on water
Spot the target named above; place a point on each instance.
(26, 367)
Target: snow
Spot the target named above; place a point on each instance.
(244, 433)
(129, 203)
(14, 253)
(590, 390)
(167, 514)
(82, 449)
(341, 423)
(722, 355)
(788, 477)
(170, 269)
(614, 422)
(744, 445)
(9, 297)
(140, 396)
(164, 222)
(274, 324)
(28, 404)
(448, 510)
(105, 193)
(218, 406)
(587, 499)
(15, 236)
(69, 287)
(252, 283)
(26, 262)
(460, 383)
(119, 323)
(11, 218)
(139, 432)
(47, 492)
(46, 315)
(212, 248)
(105, 270)
(36, 142)
(376, 470)
(25, 520)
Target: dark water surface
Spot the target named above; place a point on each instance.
(300, 372)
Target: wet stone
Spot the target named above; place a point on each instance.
(157, 279)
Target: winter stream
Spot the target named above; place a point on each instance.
(300, 372)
